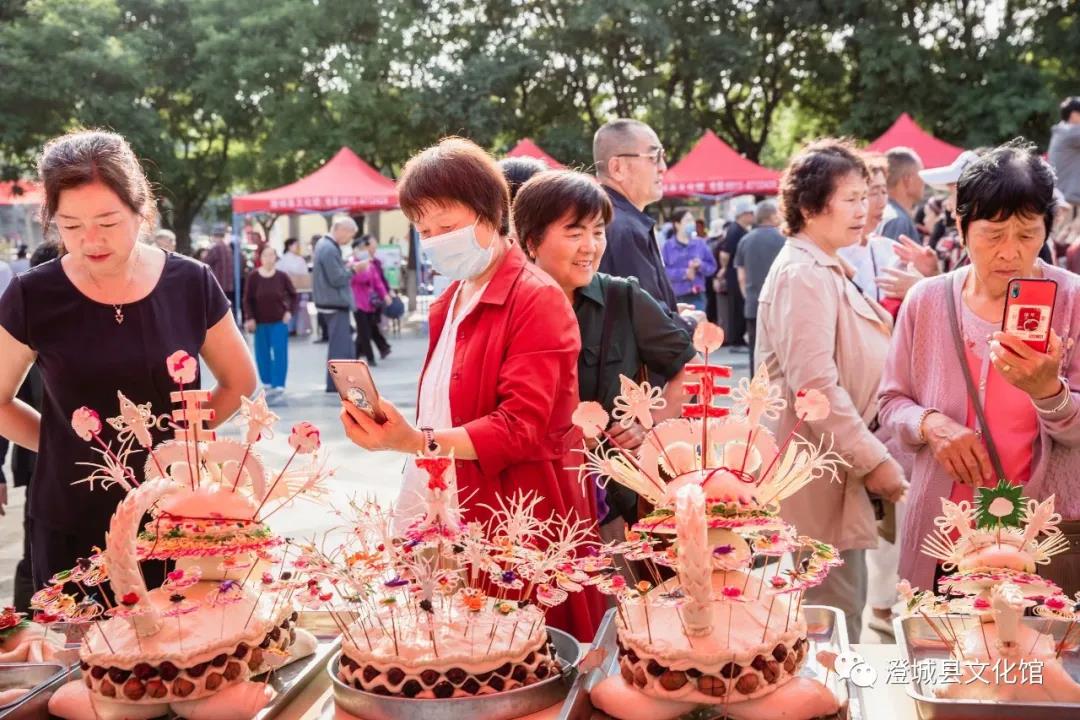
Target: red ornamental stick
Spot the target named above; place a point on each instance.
(706, 389)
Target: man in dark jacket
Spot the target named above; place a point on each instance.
(735, 322)
(630, 164)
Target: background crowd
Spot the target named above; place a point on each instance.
(857, 281)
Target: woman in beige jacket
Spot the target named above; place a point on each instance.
(816, 329)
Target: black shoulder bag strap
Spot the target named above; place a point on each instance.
(605, 333)
(973, 392)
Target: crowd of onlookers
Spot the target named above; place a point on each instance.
(915, 234)
(855, 281)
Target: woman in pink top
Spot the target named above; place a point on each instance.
(1031, 399)
(371, 296)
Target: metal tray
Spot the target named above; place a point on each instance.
(918, 643)
(291, 679)
(34, 676)
(826, 630)
(287, 681)
(500, 706)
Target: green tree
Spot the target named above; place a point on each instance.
(182, 81)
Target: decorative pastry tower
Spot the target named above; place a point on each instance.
(193, 645)
(728, 629)
(990, 551)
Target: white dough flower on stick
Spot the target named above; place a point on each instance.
(635, 403)
(256, 418)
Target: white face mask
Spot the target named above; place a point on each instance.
(457, 254)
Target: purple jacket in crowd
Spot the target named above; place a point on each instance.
(677, 259)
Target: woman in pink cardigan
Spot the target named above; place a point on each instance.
(1031, 399)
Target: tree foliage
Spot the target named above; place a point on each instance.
(229, 95)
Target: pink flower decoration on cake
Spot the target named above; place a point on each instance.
(708, 337)
(86, 423)
(180, 579)
(304, 438)
(182, 367)
(731, 592)
(811, 405)
(591, 418)
(981, 604)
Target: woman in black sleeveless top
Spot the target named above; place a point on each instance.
(102, 318)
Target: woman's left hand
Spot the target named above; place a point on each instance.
(394, 434)
(895, 282)
(628, 438)
(1038, 374)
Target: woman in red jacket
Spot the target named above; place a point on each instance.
(500, 380)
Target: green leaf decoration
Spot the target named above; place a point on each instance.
(999, 507)
(6, 632)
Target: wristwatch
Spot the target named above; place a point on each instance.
(430, 446)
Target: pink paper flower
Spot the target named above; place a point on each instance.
(591, 418)
(86, 423)
(182, 367)
(708, 337)
(731, 592)
(811, 405)
(304, 438)
(1055, 603)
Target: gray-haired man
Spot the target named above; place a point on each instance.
(332, 292)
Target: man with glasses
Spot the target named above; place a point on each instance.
(630, 164)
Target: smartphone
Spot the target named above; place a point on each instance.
(1029, 308)
(354, 384)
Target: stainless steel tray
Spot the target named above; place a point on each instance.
(826, 630)
(500, 706)
(291, 679)
(287, 681)
(919, 643)
(33, 676)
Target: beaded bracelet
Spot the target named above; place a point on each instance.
(922, 418)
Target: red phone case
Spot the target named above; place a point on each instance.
(1029, 310)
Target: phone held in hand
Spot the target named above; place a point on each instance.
(1029, 309)
(354, 384)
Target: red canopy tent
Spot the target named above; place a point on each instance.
(712, 167)
(346, 183)
(21, 192)
(527, 148)
(906, 132)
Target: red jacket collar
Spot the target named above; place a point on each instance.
(503, 280)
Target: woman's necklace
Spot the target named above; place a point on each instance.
(118, 308)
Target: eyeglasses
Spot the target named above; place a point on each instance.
(657, 156)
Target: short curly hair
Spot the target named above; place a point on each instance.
(810, 179)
